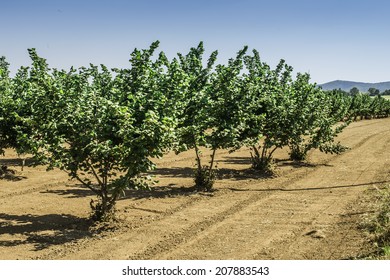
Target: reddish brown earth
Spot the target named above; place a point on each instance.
(309, 211)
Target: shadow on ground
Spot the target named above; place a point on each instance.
(17, 162)
(278, 162)
(170, 190)
(221, 173)
(299, 164)
(42, 231)
(73, 191)
(9, 174)
(236, 160)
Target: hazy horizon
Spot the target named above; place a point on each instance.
(332, 40)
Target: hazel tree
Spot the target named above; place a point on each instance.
(102, 130)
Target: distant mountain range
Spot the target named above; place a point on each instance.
(347, 85)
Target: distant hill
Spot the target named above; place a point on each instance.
(347, 85)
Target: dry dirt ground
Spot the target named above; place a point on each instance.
(308, 211)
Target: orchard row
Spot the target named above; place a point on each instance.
(104, 127)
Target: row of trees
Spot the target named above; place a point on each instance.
(362, 106)
(371, 91)
(104, 127)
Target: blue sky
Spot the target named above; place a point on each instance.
(330, 39)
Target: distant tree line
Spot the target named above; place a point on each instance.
(360, 105)
(371, 92)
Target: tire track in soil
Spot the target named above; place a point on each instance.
(134, 225)
(174, 240)
(364, 123)
(34, 189)
(164, 224)
(308, 247)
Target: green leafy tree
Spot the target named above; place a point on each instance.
(316, 120)
(6, 138)
(360, 106)
(373, 91)
(292, 113)
(340, 102)
(379, 107)
(194, 117)
(354, 91)
(228, 115)
(102, 130)
(272, 94)
(214, 115)
(13, 105)
(386, 92)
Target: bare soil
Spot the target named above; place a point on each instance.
(310, 210)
